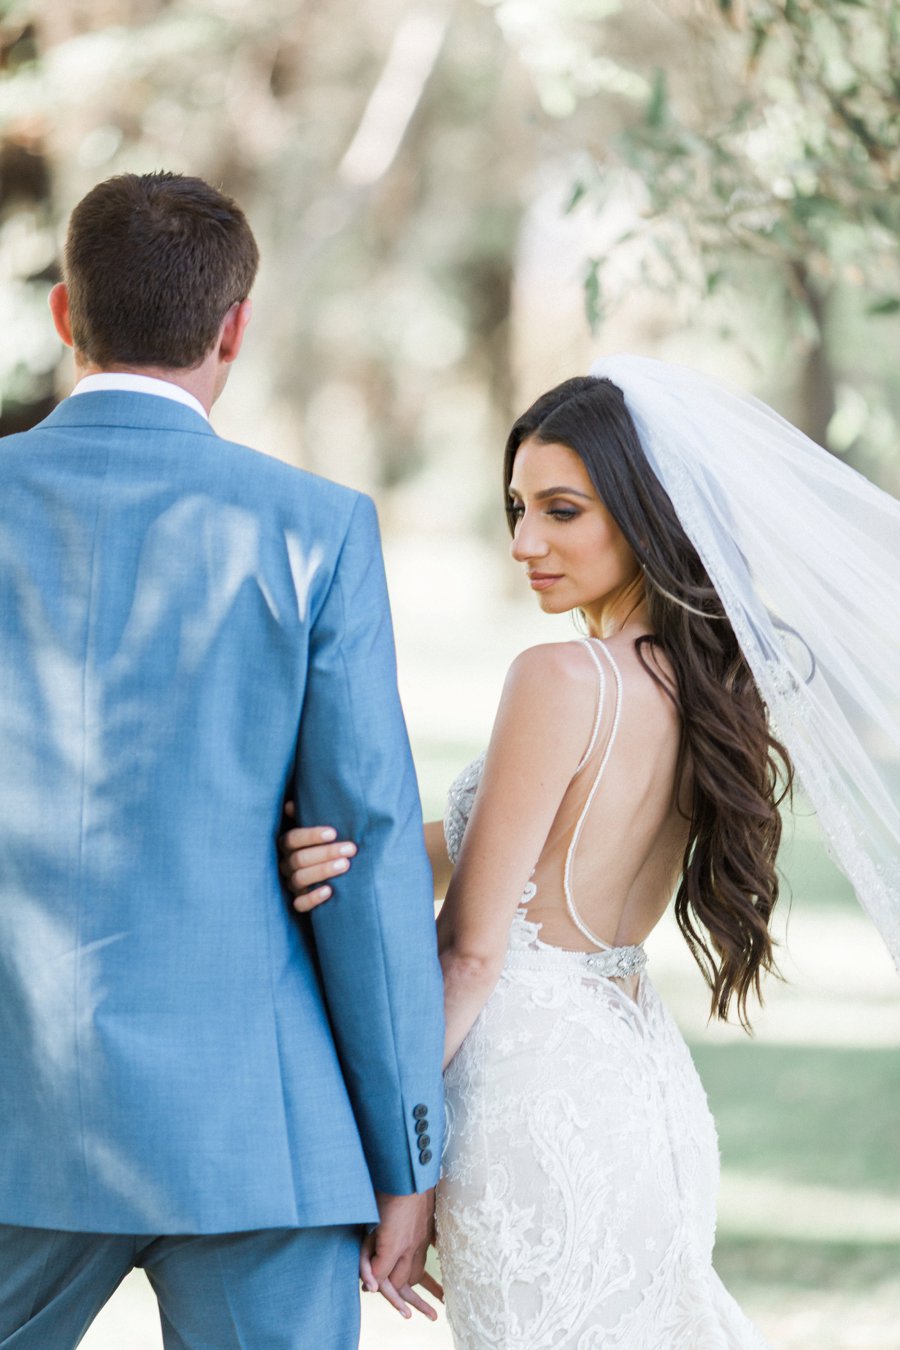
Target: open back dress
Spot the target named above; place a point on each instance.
(577, 1205)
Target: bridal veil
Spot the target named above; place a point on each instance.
(804, 553)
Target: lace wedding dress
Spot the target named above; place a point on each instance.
(577, 1205)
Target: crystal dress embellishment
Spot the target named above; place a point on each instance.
(617, 962)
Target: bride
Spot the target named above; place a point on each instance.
(576, 1209)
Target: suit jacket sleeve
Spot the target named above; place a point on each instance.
(375, 937)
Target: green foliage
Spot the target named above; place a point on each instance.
(593, 305)
(771, 129)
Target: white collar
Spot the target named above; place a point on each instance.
(107, 380)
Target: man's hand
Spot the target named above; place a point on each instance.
(392, 1259)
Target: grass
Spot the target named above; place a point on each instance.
(821, 1116)
(766, 1263)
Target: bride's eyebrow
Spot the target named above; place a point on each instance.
(560, 491)
(553, 492)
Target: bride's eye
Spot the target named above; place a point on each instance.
(515, 511)
(563, 513)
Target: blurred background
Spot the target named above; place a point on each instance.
(459, 203)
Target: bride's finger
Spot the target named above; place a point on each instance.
(305, 877)
(299, 876)
(306, 836)
(387, 1290)
(366, 1273)
(418, 1302)
(296, 865)
(320, 861)
(311, 899)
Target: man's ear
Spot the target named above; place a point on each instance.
(231, 334)
(59, 309)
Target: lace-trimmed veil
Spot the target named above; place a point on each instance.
(805, 555)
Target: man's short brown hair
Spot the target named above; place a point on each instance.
(153, 263)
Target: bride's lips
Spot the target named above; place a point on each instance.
(541, 580)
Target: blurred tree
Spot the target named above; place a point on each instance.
(28, 354)
(388, 154)
(766, 130)
(368, 146)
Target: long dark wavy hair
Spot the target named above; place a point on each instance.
(740, 772)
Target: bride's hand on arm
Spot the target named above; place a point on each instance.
(543, 725)
(313, 856)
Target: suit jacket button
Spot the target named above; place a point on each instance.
(423, 1141)
(420, 1111)
(421, 1126)
(425, 1157)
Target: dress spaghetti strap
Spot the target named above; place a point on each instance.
(586, 642)
(573, 843)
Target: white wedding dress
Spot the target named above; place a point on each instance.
(577, 1205)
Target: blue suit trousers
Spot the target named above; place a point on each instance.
(272, 1289)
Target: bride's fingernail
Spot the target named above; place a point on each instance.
(328, 835)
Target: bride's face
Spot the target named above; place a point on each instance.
(574, 553)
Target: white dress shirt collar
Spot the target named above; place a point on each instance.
(138, 384)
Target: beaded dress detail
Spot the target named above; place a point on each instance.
(576, 1209)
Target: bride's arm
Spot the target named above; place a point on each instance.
(542, 726)
(441, 866)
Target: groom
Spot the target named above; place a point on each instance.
(193, 1078)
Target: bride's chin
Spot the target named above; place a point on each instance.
(552, 606)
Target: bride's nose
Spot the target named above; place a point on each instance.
(527, 541)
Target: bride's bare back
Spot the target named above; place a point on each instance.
(617, 842)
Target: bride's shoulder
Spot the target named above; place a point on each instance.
(561, 676)
(569, 662)
(548, 706)
(552, 675)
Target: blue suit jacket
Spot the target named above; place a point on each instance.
(187, 630)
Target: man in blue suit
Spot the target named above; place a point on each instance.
(194, 1078)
